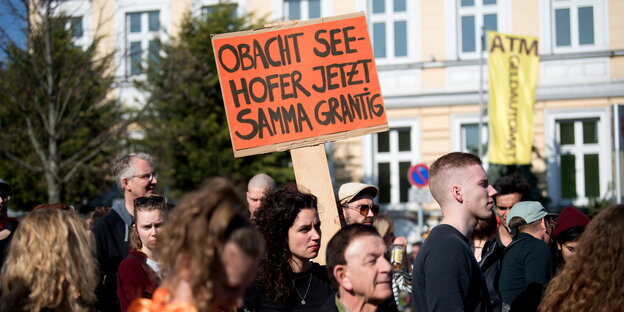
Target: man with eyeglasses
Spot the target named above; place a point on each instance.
(135, 177)
(7, 225)
(356, 203)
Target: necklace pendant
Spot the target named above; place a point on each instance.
(302, 301)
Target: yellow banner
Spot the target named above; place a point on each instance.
(513, 66)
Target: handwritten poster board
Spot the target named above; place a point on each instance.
(299, 84)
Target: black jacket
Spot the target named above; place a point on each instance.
(112, 239)
(490, 264)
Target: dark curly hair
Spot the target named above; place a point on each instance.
(275, 216)
(510, 184)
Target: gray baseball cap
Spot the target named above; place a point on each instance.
(530, 211)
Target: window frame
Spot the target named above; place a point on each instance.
(372, 158)
(457, 121)
(479, 10)
(549, 34)
(144, 37)
(453, 34)
(279, 9)
(305, 9)
(125, 7)
(197, 7)
(389, 17)
(554, 151)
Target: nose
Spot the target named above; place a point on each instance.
(316, 234)
(491, 191)
(154, 180)
(370, 212)
(385, 266)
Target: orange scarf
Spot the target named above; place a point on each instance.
(158, 303)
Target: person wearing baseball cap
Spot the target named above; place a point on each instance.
(570, 225)
(528, 261)
(7, 225)
(356, 203)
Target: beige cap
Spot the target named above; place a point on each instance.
(348, 191)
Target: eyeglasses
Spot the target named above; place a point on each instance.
(152, 199)
(363, 209)
(5, 196)
(148, 176)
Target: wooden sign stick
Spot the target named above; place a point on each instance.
(312, 174)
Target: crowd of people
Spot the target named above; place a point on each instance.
(217, 250)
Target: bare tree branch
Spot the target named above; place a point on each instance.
(22, 163)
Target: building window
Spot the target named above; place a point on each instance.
(394, 152)
(230, 7)
(574, 24)
(474, 15)
(142, 40)
(302, 9)
(465, 135)
(75, 26)
(579, 148)
(579, 162)
(469, 134)
(390, 28)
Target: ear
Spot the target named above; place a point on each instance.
(341, 274)
(125, 182)
(559, 246)
(543, 224)
(456, 192)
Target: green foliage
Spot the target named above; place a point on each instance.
(187, 128)
(56, 117)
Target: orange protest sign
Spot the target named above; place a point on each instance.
(299, 84)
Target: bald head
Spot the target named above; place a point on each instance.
(257, 187)
(444, 172)
(261, 181)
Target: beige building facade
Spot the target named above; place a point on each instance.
(427, 55)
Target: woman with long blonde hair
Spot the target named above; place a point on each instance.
(50, 266)
(210, 250)
(592, 280)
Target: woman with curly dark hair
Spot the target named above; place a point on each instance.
(592, 280)
(287, 279)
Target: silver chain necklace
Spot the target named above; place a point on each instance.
(306, 292)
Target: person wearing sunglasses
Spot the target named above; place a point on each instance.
(135, 176)
(139, 274)
(356, 203)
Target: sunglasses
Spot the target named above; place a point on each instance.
(5, 196)
(363, 209)
(145, 200)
